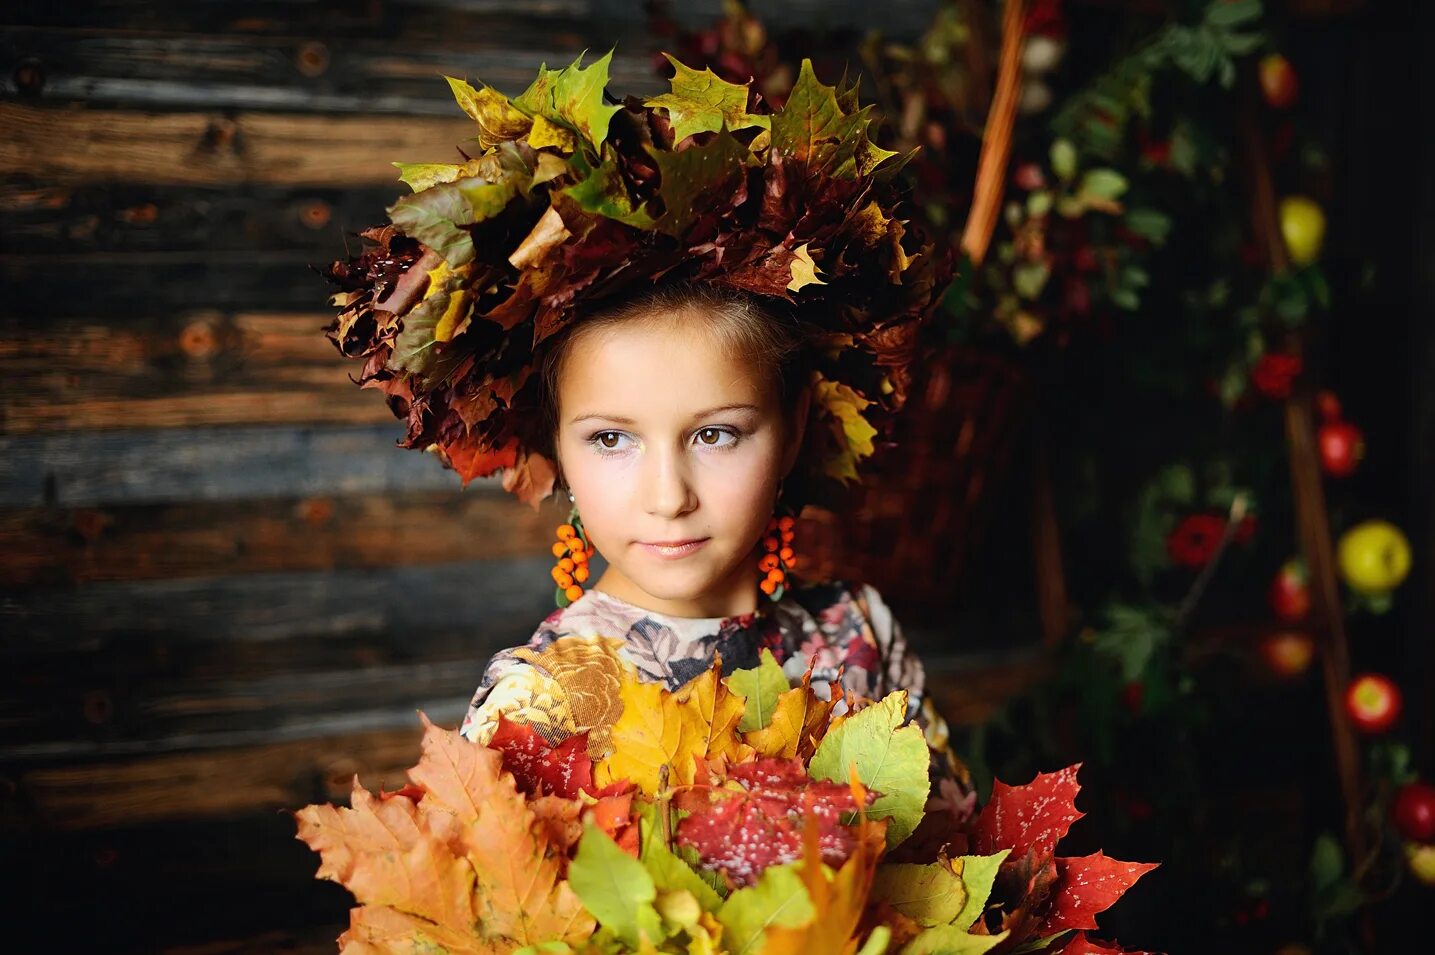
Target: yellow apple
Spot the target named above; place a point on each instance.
(1374, 557)
(1303, 228)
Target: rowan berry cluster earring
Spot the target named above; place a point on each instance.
(573, 552)
(778, 558)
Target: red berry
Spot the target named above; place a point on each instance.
(1341, 447)
(1328, 405)
(1413, 811)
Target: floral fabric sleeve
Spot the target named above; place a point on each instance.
(952, 787)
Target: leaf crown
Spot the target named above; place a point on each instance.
(574, 199)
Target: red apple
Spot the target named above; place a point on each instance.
(1413, 811)
(1373, 702)
(1421, 860)
(1278, 82)
(1341, 447)
(1288, 653)
(1290, 591)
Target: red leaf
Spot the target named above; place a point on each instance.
(741, 833)
(1087, 885)
(471, 459)
(1081, 945)
(539, 769)
(1033, 817)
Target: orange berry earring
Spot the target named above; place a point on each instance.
(573, 552)
(778, 558)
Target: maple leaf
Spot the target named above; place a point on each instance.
(677, 730)
(703, 102)
(539, 768)
(1087, 885)
(893, 761)
(1031, 817)
(472, 459)
(517, 892)
(804, 270)
(498, 121)
(689, 176)
(572, 98)
(743, 832)
(853, 432)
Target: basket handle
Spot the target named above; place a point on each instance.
(996, 138)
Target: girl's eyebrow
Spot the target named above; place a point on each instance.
(619, 419)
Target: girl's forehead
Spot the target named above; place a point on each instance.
(657, 369)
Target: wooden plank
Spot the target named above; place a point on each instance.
(37, 217)
(280, 606)
(74, 546)
(411, 19)
(244, 779)
(179, 370)
(77, 144)
(118, 284)
(300, 73)
(103, 468)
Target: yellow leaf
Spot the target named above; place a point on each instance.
(854, 433)
(804, 270)
(653, 731)
(545, 132)
(498, 120)
(718, 709)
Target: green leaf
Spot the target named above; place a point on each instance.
(435, 217)
(497, 119)
(615, 888)
(603, 191)
(876, 942)
(1102, 184)
(813, 129)
(1063, 159)
(1029, 278)
(1229, 13)
(931, 894)
(760, 687)
(1152, 224)
(692, 174)
(950, 940)
(702, 102)
(572, 98)
(892, 761)
(669, 872)
(778, 898)
(419, 176)
(979, 874)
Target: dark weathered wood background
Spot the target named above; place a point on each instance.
(225, 592)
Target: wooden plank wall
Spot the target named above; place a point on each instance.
(223, 592)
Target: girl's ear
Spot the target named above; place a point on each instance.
(797, 426)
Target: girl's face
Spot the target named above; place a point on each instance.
(673, 450)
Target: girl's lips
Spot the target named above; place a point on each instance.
(673, 551)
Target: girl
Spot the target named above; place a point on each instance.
(675, 417)
(687, 313)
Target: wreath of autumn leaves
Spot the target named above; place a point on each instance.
(574, 200)
(736, 814)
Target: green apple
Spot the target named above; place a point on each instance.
(1374, 557)
(1303, 228)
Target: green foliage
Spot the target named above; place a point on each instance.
(889, 760)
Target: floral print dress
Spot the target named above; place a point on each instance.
(563, 686)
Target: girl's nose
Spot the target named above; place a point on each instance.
(668, 492)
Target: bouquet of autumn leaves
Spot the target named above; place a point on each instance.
(735, 815)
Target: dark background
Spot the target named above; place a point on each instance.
(224, 593)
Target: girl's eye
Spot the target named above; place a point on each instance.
(608, 440)
(712, 437)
